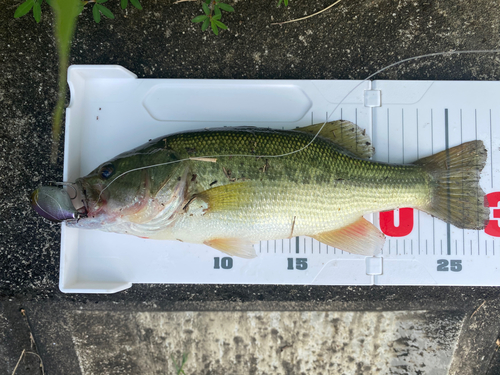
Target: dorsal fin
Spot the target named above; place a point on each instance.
(345, 134)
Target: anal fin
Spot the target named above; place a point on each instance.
(345, 134)
(360, 237)
(233, 246)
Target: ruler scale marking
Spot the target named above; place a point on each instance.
(432, 153)
(356, 122)
(491, 151)
(447, 147)
(461, 141)
(418, 157)
(388, 138)
(477, 191)
(403, 134)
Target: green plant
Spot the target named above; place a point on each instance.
(25, 7)
(213, 14)
(178, 368)
(66, 12)
(98, 8)
(135, 3)
(283, 1)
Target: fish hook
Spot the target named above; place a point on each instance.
(68, 184)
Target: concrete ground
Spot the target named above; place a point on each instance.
(225, 328)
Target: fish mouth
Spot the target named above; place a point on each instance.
(90, 205)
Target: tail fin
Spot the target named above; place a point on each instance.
(457, 197)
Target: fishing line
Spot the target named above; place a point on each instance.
(68, 184)
(449, 53)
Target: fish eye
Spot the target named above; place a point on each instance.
(106, 171)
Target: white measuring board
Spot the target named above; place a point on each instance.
(111, 111)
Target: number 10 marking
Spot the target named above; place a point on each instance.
(226, 263)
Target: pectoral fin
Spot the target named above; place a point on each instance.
(233, 246)
(360, 237)
(346, 134)
(227, 197)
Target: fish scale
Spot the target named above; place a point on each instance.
(263, 213)
(230, 188)
(311, 190)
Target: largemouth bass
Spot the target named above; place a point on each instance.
(229, 188)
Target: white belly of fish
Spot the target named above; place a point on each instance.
(287, 210)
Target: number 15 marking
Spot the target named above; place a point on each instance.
(300, 264)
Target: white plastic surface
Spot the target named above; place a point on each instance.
(111, 111)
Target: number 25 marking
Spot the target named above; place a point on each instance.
(455, 265)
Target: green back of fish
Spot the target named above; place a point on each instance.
(262, 159)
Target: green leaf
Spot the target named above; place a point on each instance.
(106, 11)
(37, 11)
(96, 13)
(177, 367)
(205, 8)
(79, 7)
(205, 24)
(214, 27)
(64, 26)
(200, 18)
(217, 10)
(227, 8)
(50, 3)
(137, 4)
(100, 1)
(24, 8)
(221, 25)
(208, 1)
(217, 17)
(124, 3)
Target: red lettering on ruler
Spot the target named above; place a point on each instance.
(493, 200)
(405, 227)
